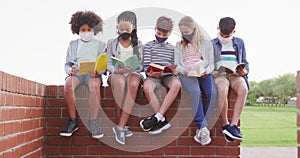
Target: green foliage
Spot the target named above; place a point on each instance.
(278, 90)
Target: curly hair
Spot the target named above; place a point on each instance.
(86, 17)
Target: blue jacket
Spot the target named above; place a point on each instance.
(239, 47)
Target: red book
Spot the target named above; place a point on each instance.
(158, 68)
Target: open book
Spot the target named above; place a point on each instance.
(157, 68)
(131, 61)
(231, 69)
(88, 66)
(196, 69)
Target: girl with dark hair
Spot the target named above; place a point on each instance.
(124, 81)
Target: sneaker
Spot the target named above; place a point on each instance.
(119, 135)
(227, 138)
(128, 132)
(202, 136)
(160, 126)
(95, 129)
(148, 123)
(232, 132)
(70, 128)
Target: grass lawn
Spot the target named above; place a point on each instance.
(269, 126)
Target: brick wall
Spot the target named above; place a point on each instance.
(298, 107)
(175, 142)
(32, 115)
(22, 117)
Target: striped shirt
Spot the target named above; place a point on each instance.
(162, 54)
(228, 56)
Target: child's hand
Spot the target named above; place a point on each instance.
(242, 71)
(174, 73)
(120, 70)
(154, 74)
(74, 70)
(94, 73)
(204, 75)
(216, 74)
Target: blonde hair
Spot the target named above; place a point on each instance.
(198, 37)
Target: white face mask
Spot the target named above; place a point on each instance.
(86, 36)
(224, 40)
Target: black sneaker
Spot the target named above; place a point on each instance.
(95, 129)
(227, 138)
(148, 123)
(160, 126)
(232, 132)
(70, 128)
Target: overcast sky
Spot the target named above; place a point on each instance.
(35, 33)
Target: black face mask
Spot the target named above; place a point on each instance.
(125, 36)
(188, 38)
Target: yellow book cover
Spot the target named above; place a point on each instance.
(88, 66)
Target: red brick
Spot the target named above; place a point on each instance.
(20, 138)
(18, 100)
(14, 84)
(4, 114)
(298, 119)
(81, 92)
(74, 150)
(4, 78)
(108, 92)
(56, 102)
(2, 129)
(2, 98)
(200, 150)
(160, 151)
(228, 151)
(60, 91)
(52, 91)
(86, 140)
(177, 150)
(12, 127)
(298, 135)
(1, 80)
(8, 155)
(59, 140)
(53, 112)
(9, 99)
(37, 153)
(104, 150)
(52, 150)
(298, 81)
(8, 83)
(298, 101)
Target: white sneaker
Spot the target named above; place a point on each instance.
(202, 136)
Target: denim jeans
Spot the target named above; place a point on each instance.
(200, 90)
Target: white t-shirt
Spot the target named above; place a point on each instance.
(87, 51)
(125, 53)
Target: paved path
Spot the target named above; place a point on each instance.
(268, 152)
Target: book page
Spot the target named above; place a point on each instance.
(133, 62)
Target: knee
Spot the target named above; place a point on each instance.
(118, 82)
(148, 87)
(134, 82)
(222, 88)
(68, 88)
(242, 91)
(176, 84)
